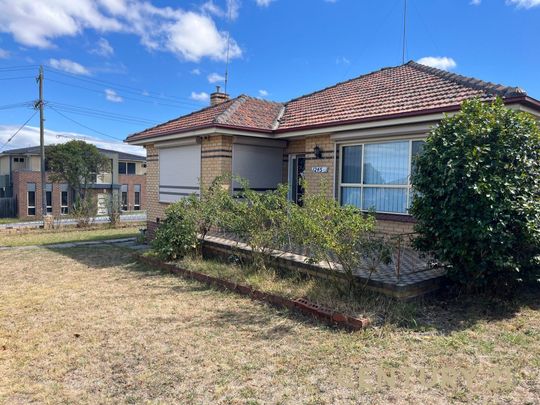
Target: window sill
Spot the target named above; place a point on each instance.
(395, 217)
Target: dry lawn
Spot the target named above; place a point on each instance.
(88, 325)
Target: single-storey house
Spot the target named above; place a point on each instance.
(356, 139)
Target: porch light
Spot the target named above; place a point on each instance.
(317, 152)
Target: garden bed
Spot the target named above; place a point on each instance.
(294, 291)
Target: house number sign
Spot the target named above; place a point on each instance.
(319, 169)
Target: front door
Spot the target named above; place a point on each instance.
(297, 165)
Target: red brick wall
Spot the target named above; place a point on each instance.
(131, 180)
(20, 180)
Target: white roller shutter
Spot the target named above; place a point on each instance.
(179, 172)
(260, 165)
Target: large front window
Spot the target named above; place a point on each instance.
(376, 176)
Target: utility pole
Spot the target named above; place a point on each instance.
(42, 144)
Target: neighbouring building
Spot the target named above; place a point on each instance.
(20, 179)
(355, 139)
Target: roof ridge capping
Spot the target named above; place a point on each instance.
(224, 116)
(489, 87)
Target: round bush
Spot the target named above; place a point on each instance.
(477, 186)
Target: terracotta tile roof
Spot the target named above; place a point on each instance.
(409, 89)
(406, 88)
(241, 112)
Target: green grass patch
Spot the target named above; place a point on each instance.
(40, 237)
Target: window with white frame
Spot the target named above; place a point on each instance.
(64, 199)
(48, 197)
(137, 199)
(377, 176)
(124, 197)
(31, 198)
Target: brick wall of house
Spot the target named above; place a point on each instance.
(20, 181)
(320, 182)
(216, 157)
(155, 210)
(131, 180)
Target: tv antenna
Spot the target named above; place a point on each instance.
(228, 47)
(404, 45)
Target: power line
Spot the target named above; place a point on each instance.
(17, 105)
(126, 88)
(85, 126)
(19, 130)
(16, 77)
(100, 113)
(125, 97)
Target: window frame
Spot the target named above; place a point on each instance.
(137, 197)
(49, 196)
(407, 187)
(28, 206)
(124, 206)
(64, 209)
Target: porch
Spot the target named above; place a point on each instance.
(410, 274)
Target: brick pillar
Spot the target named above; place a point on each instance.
(216, 158)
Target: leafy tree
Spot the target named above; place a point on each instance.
(77, 163)
(477, 201)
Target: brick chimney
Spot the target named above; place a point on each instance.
(218, 97)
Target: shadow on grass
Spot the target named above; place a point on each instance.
(442, 312)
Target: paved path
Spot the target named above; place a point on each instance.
(70, 221)
(130, 243)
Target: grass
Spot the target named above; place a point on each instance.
(40, 237)
(90, 325)
(295, 285)
(14, 220)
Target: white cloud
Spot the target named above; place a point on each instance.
(112, 96)
(263, 93)
(103, 48)
(29, 136)
(330, 1)
(195, 36)
(524, 3)
(343, 61)
(69, 66)
(196, 72)
(190, 35)
(215, 77)
(476, 2)
(202, 96)
(439, 62)
(4, 54)
(264, 3)
(231, 12)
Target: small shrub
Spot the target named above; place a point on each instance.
(85, 210)
(260, 219)
(478, 196)
(338, 234)
(176, 237)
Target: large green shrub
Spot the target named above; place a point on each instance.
(477, 201)
(176, 236)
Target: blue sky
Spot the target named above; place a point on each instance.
(158, 59)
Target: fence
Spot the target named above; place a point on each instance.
(8, 207)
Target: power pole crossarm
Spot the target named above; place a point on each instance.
(42, 144)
